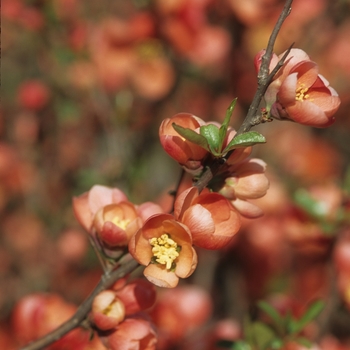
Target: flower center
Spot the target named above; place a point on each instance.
(300, 93)
(165, 251)
(122, 223)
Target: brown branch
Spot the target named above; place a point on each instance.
(264, 78)
(106, 281)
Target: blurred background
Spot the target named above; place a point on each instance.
(85, 86)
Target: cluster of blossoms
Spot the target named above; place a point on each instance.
(165, 243)
(298, 92)
(119, 316)
(207, 216)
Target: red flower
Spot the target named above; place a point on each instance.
(211, 218)
(164, 246)
(33, 95)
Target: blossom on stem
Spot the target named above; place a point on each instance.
(110, 307)
(246, 181)
(188, 154)
(107, 310)
(107, 212)
(164, 246)
(299, 93)
(211, 218)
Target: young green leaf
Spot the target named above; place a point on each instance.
(313, 311)
(244, 140)
(309, 204)
(271, 311)
(241, 345)
(192, 136)
(260, 335)
(224, 126)
(211, 134)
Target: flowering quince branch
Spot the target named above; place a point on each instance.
(264, 80)
(77, 319)
(206, 215)
(264, 77)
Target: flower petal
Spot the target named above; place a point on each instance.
(187, 262)
(160, 276)
(247, 209)
(199, 220)
(307, 72)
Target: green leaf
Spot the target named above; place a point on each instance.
(276, 344)
(260, 335)
(211, 134)
(271, 311)
(192, 136)
(244, 140)
(313, 311)
(310, 205)
(241, 345)
(224, 126)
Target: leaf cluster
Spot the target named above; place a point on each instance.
(212, 138)
(275, 334)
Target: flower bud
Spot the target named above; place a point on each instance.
(107, 310)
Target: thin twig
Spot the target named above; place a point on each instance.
(106, 281)
(264, 78)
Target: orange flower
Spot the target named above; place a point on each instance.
(116, 223)
(211, 218)
(164, 246)
(137, 296)
(246, 181)
(86, 205)
(183, 151)
(107, 310)
(300, 94)
(107, 212)
(133, 333)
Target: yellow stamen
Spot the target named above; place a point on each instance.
(300, 93)
(122, 223)
(165, 250)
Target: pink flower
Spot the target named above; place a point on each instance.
(211, 218)
(299, 93)
(185, 152)
(164, 246)
(86, 205)
(107, 212)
